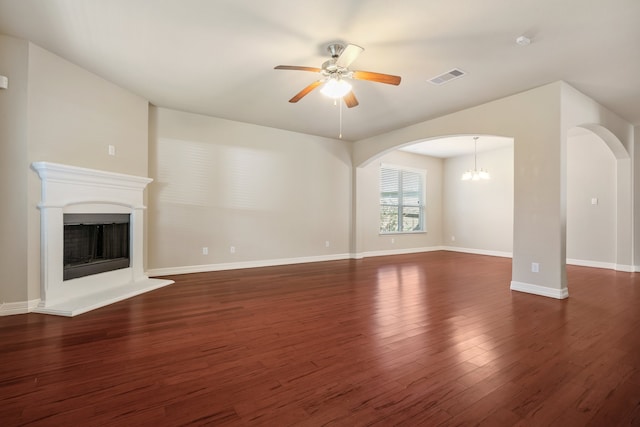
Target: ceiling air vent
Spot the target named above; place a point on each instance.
(447, 77)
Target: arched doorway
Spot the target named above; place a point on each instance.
(533, 119)
(465, 216)
(599, 214)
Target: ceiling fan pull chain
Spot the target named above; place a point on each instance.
(340, 135)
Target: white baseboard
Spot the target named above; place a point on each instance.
(169, 271)
(594, 264)
(523, 287)
(19, 307)
(598, 264)
(625, 268)
(539, 290)
(400, 251)
(478, 251)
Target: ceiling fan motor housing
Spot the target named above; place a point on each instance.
(335, 49)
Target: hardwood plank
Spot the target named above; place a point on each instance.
(421, 339)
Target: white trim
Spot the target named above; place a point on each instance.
(400, 251)
(74, 175)
(540, 290)
(598, 264)
(18, 307)
(478, 251)
(624, 268)
(593, 264)
(168, 271)
(420, 171)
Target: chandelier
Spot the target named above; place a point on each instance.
(475, 174)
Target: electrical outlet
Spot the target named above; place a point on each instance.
(393, 240)
(453, 238)
(232, 249)
(112, 150)
(205, 250)
(327, 244)
(535, 267)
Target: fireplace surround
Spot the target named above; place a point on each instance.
(78, 192)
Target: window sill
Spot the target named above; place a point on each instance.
(395, 233)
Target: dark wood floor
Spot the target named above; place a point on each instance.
(424, 339)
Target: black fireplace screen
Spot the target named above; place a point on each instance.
(95, 243)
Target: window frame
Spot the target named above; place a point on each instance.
(422, 173)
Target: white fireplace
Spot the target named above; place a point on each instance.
(74, 190)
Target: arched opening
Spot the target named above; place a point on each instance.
(540, 136)
(599, 218)
(465, 216)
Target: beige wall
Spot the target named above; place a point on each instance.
(381, 243)
(635, 155)
(58, 112)
(580, 111)
(271, 194)
(73, 116)
(479, 214)
(538, 120)
(532, 118)
(591, 173)
(13, 170)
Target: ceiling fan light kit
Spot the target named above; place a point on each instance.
(334, 75)
(335, 88)
(335, 72)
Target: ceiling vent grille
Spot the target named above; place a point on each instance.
(447, 77)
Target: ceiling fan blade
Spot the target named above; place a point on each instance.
(296, 67)
(348, 55)
(350, 100)
(305, 91)
(377, 77)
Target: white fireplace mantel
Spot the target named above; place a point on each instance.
(71, 189)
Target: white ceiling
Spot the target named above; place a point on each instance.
(216, 57)
(454, 146)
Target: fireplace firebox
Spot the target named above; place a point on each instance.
(95, 243)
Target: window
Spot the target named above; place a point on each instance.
(401, 199)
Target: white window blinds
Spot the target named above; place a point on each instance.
(401, 199)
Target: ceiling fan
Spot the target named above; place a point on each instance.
(335, 73)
